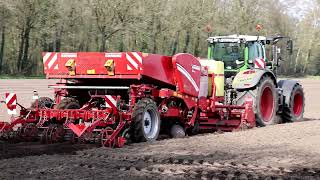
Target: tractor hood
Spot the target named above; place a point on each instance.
(249, 78)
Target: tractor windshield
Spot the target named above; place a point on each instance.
(232, 54)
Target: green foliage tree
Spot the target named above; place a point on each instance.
(29, 27)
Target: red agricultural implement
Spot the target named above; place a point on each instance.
(116, 98)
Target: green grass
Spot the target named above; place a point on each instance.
(21, 77)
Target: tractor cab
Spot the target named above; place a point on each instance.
(238, 52)
(242, 52)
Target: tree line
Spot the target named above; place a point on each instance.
(29, 27)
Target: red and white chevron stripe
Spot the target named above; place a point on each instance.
(134, 61)
(111, 101)
(11, 102)
(259, 63)
(50, 61)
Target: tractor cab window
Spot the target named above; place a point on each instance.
(255, 51)
(232, 54)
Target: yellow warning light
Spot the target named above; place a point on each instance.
(71, 65)
(72, 73)
(110, 67)
(145, 54)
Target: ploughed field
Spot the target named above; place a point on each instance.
(284, 151)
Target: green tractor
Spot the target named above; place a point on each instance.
(250, 64)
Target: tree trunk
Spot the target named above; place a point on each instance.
(25, 49)
(306, 61)
(103, 43)
(21, 46)
(296, 61)
(154, 49)
(2, 46)
(185, 49)
(175, 44)
(121, 45)
(196, 46)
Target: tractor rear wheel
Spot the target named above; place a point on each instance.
(294, 110)
(68, 103)
(146, 121)
(266, 102)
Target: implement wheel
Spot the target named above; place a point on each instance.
(146, 121)
(266, 102)
(55, 134)
(294, 110)
(177, 131)
(105, 136)
(68, 103)
(28, 132)
(43, 102)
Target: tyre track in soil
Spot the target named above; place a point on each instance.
(123, 162)
(14, 150)
(24, 149)
(148, 166)
(200, 168)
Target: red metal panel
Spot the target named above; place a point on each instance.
(91, 64)
(133, 76)
(187, 72)
(90, 61)
(127, 65)
(158, 67)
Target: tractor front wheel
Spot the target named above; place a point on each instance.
(266, 102)
(146, 121)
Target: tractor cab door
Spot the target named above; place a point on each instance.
(257, 55)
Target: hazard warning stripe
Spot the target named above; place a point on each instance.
(111, 102)
(134, 61)
(11, 99)
(259, 63)
(11, 102)
(46, 57)
(50, 60)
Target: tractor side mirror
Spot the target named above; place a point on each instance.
(290, 46)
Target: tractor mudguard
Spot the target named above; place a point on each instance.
(287, 86)
(250, 78)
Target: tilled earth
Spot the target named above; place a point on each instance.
(285, 151)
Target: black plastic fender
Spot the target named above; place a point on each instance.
(286, 86)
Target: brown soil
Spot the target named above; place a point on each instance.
(285, 151)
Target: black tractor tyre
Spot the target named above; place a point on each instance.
(295, 109)
(193, 130)
(68, 103)
(43, 102)
(145, 121)
(177, 131)
(266, 102)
